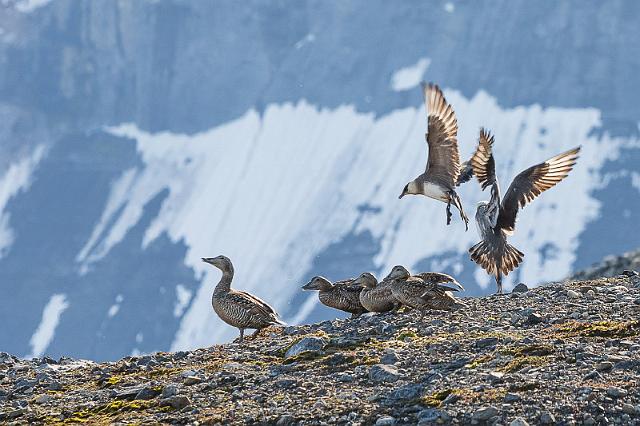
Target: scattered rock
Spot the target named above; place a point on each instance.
(604, 366)
(486, 342)
(535, 318)
(616, 392)
(518, 421)
(286, 420)
(520, 288)
(307, 344)
(485, 413)
(383, 373)
(573, 294)
(546, 418)
(192, 380)
(389, 357)
(177, 402)
(386, 421)
(511, 397)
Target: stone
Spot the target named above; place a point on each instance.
(432, 415)
(615, 392)
(604, 366)
(192, 380)
(520, 288)
(573, 294)
(285, 420)
(386, 421)
(629, 409)
(307, 344)
(54, 386)
(484, 414)
(593, 375)
(511, 397)
(177, 402)
(630, 273)
(535, 318)
(147, 393)
(546, 418)
(486, 342)
(518, 421)
(389, 357)
(405, 393)
(169, 390)
(383, 373)
(43, 399)
(129, 393)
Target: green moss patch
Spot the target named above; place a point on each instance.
(607, 329)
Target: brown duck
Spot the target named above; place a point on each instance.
(427, 290)
(376, 297)
(342, 295)
(238, 308)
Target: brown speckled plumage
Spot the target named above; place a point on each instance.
(238, 308)
(342, 295)
(376, 297)
(427, 290)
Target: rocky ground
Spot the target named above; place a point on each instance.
(558, 354)
(611, 266)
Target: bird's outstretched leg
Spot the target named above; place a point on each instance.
(458, 203)
(255, 333)
(449, 212)
(499, 284)
(239, 339)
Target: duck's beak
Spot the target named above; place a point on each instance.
(308, 286)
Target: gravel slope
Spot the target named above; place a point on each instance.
(558, 354)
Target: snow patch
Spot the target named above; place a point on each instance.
(41, 339)
(409, 77)
(115, 308)
(183, 297)
(16, 179)
(28, 6)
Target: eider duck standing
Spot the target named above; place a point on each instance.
(427, 290)
(376, 297)
(496, 219)
(238, 308)
(342, 295)
(443, 169)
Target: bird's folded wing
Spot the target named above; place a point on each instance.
(444, 158)
(255, 305)
(531, 183)
(439, 278)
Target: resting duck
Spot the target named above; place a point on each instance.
(376, 297)
(238, 308)
(427, 290)
(342, 295)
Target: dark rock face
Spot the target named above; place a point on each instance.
(185, 67)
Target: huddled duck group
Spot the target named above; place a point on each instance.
(444, 172)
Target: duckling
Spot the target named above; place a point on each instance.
(238, 308)
(342, 295)
(427, 290)
(376, 297)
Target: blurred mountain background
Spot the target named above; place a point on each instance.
(138, 137)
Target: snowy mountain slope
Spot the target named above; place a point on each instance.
(136, 135)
